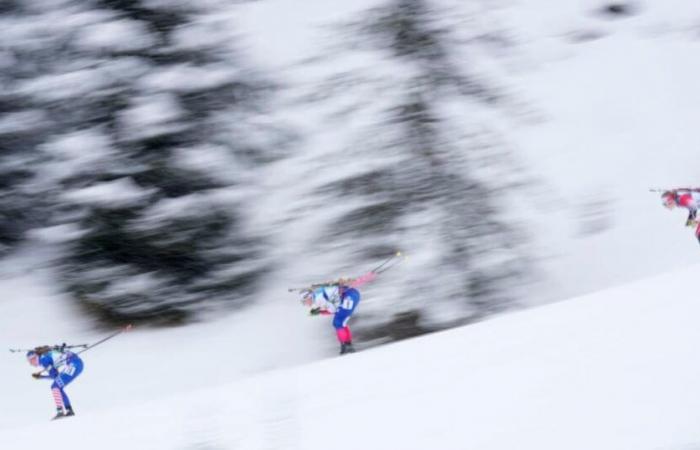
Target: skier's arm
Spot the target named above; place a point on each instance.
(39, 376)
(362, 280)
(322, 305)
(53, 373)
(47, 363)
(319, 311)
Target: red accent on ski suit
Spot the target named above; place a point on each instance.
(686, 201)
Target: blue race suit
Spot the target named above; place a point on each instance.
(349, 300)
(63, 367)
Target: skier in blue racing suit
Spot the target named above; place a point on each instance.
(63, 367)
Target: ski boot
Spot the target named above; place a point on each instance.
(346, 347)
(59, 414)
(69, 412)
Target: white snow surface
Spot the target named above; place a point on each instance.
(613, 370)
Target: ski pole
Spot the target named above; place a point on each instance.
(101, 341)
(388, 260)
(378, 269)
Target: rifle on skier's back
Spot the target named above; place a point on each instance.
(387, 264)
(662, 190)
(63, 347)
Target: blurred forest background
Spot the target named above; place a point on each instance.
(174, 176)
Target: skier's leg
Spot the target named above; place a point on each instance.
(340, 321)
(66, 401)
(63, 380)
(697, 232)
(56, 392)
(57, 397)
(343, 335)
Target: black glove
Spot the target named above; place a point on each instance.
(36, 375)
(315, 311)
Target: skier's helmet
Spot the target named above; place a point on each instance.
(668, 199)
(33, 358)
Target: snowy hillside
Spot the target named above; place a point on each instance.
(614, 370)
(588, 110)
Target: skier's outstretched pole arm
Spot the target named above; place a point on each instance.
(111, 336)
(361, 280)
(101, 341)
(372, 274)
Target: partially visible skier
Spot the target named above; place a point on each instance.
(684, 198)
(340, 300)
(62, 366)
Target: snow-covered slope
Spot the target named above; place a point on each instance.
(613, 370)
(611, 108)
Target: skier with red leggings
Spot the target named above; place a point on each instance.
(339, 299)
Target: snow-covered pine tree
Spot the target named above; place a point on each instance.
(430, 182)
(23, 126)
(157, 119)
